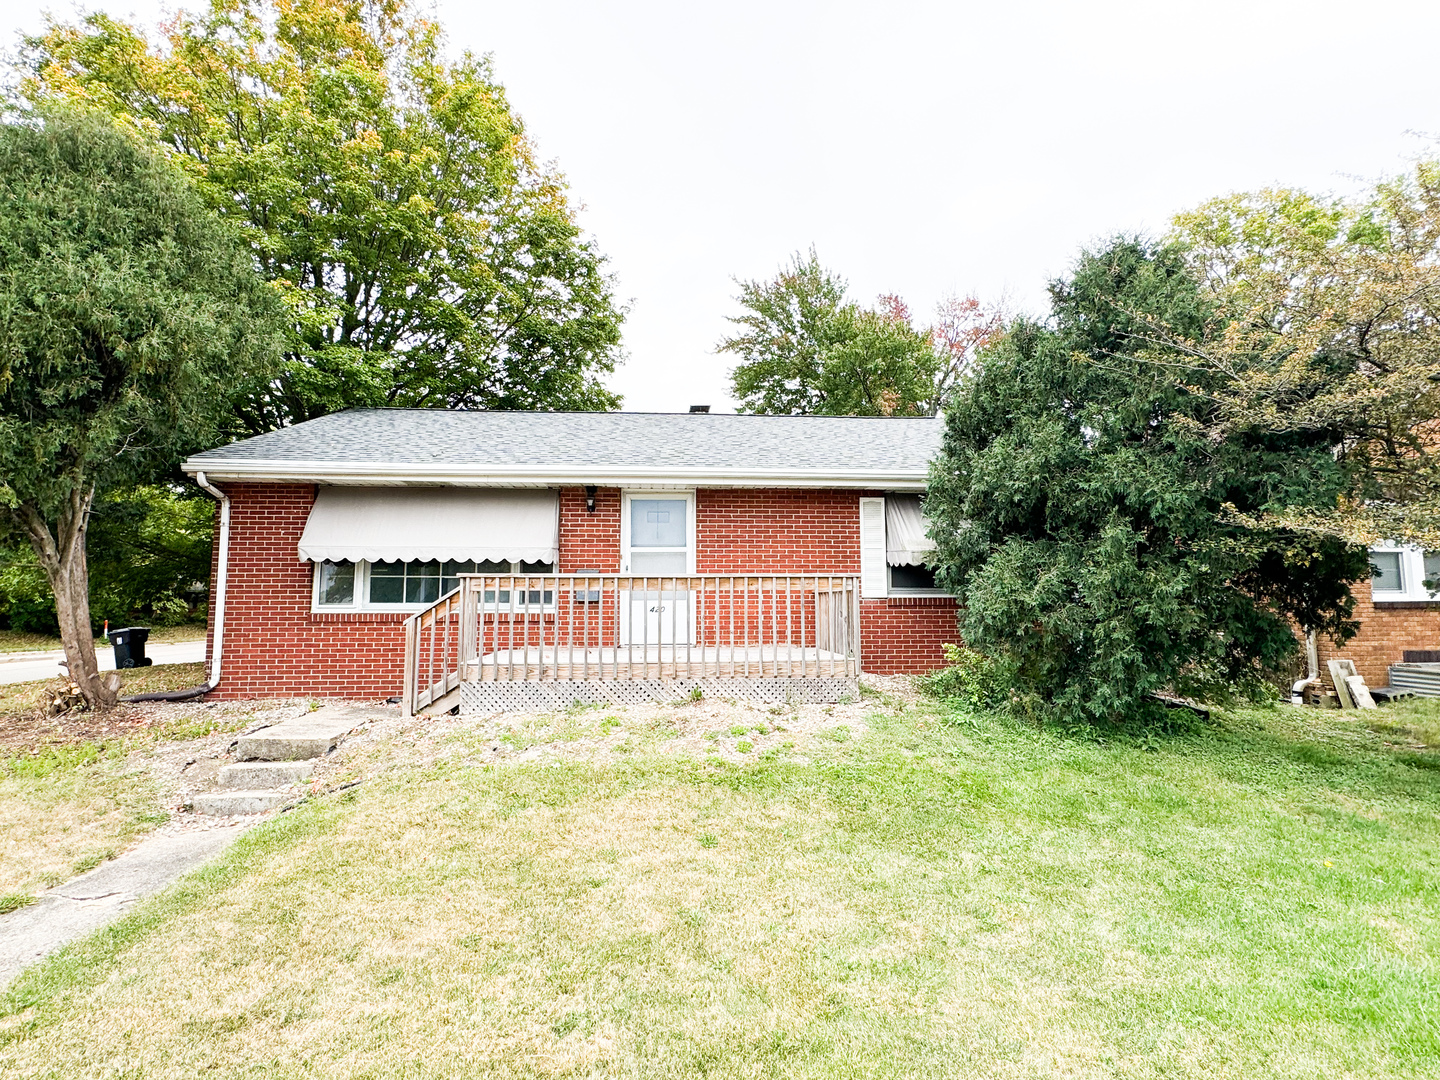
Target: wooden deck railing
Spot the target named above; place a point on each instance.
(588, 627)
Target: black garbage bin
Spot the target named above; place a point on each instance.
(129, 646)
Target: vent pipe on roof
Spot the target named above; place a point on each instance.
(699, 408)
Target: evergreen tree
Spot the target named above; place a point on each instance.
(1080, 510)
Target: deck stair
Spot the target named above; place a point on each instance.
(273, 761)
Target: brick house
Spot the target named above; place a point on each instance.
(1397, 613)
(484, 558)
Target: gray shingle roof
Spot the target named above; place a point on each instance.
(436, 446)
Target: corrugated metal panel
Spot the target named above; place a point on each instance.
(1422, 679)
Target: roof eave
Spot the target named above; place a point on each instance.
(402, 474)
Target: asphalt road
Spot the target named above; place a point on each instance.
(30, 666)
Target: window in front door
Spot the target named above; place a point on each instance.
(659, 536)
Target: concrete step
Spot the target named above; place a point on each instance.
(253, 775)
(310, 735)
(230, 803)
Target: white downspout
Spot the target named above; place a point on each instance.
(221, 578)
(1312, 666)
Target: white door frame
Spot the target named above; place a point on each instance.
(688, 494)
(630, 598)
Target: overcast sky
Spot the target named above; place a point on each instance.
(922, 148)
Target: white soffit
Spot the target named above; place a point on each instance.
(372, 475)
(404, 524)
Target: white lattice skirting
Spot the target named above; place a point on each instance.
(519, 696)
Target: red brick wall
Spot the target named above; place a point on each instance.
(589, 541)
(275, 646)
(779, 530)
(1386, 631)
(904, 635)
(785, 530)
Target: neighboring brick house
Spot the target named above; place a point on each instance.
(339, 530)
(1397, 613)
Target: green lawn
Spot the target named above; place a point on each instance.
(25, 641)
(942, 895)
(66, 811)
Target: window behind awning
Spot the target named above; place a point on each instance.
(405, 524)
(906, 542)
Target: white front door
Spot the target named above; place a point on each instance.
(658, 541)
(657, 617)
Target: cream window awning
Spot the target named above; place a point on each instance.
(906, 542)
(404, 524)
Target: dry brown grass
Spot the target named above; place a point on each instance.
(929, 899)
(66, 814)
(78, 789)
(23, 722)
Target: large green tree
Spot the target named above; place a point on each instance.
(1079, 505)
(148, 561)
(128, 311)
(787, 329)
(804, 348)
(427, 257)
(1331, 313)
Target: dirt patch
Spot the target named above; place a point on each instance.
(24, 722)
(713, 728)
(22, 731)
(183, 745)
(184, 768)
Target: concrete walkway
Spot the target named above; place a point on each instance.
(279, 755)
(70, 911)
(27, 667)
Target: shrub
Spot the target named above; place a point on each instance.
(969, 678)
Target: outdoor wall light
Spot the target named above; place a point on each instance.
(590, 498)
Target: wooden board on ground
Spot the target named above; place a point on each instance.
(1340, 670)
(1359, 692)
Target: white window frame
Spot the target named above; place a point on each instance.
(906, 590)
(688, 494)
(1412, 576)
(891, 589)
(361, 601)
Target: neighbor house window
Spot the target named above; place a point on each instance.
(1404, 574)
(379, 586)
(1385, 572)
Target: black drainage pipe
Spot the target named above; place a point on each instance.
(170, 695)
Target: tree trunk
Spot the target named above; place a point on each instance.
(62, 556)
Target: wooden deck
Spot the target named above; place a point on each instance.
(590, 628)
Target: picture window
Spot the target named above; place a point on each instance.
(381, 586)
